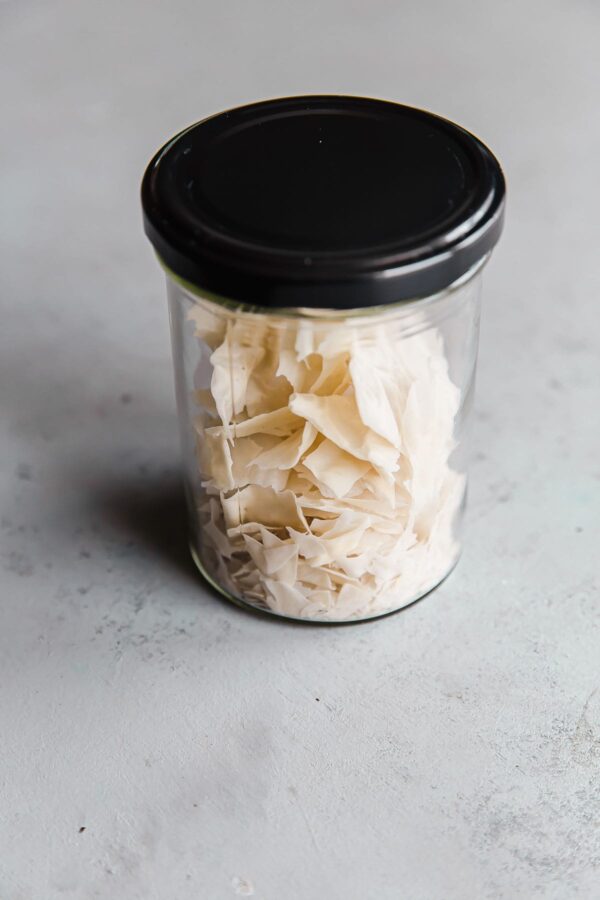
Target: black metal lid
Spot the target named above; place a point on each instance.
(323, 201)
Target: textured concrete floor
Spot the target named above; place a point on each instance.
(451, 752)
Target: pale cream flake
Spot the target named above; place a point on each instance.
(335, 468)
(325, 489)
(338, 418)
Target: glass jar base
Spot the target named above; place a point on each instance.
(266, 611)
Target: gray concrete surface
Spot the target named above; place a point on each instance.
(451, 752)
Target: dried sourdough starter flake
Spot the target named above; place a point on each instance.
(323, 450)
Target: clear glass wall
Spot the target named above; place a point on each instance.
(324, 452)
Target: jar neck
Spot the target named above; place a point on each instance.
(417, 305)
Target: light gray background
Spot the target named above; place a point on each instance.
(454, 750)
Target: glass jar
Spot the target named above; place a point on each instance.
(324, 369)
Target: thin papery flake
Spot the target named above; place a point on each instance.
(337, 418)
(373, 399)
(287, 453)
(335, 468)
(280, 422)
(265, 506)
(232, 368)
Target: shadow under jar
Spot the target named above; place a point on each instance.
(323, 258)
